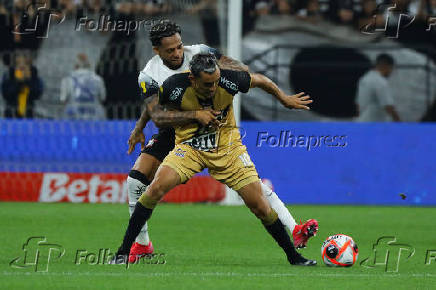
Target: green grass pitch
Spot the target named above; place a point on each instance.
(212, 247)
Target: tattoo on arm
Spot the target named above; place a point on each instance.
(226, 62)
(167, 117)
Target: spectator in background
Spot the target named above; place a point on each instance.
(342, 11)
(118, 65)
(207, 9)
(5, 29)
(311, 12)
(366, 15)
(21, 86)
(374, 97)
(83, 92)
(273, 7)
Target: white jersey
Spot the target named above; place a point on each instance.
(156, 72)
(83, 91)
(373, 95)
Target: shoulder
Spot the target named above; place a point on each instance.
(203, 48)
(148, 86)
(173, 88)
(152, 65)
(235, 81)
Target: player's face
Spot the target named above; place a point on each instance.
(206, 84)
(386, 70)
(171, 51)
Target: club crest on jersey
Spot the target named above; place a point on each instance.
(150, 142)
(175, 94)
(229, 84)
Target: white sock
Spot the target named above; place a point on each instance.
(275, 202)
(134, 190)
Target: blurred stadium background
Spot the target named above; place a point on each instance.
(313, 46)
(49, 154)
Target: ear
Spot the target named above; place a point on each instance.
(155, 50)
(192, 79)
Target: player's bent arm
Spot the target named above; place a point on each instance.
(229, 63)
(169, 117)
(298, 101)
(137, 134)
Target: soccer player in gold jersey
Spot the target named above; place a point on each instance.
(216, 146)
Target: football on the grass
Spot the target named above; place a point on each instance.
(339, 251)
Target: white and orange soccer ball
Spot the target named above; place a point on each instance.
(339, 251)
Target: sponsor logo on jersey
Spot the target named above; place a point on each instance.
(204, 142)
(229, 84)
(179, 152)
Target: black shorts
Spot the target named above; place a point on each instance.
(160, 144)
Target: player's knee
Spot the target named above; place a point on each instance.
(156, 191)
(136, 185)
(260, 210)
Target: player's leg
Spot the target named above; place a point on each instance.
(279, 207)
(300, 233)
(257, 203)
(139, 178)
(165, 179)
(177, 167)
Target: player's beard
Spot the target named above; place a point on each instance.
(173, 66)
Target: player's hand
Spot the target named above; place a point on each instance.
(298, 101)
(136, 136)
(207, 117)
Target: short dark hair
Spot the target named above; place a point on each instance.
(203, 62)
(162, 28)
(384, 58)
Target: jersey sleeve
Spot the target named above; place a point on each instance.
(172, 90)
(147, 85)
(204, 49)
(235, 81)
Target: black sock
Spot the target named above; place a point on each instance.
(139, 216)
(278, 232)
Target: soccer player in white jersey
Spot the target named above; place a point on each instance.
(173, 57)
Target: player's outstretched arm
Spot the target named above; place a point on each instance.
(167, 117)
(298, 101)
(229, 63)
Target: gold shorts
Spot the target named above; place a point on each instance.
(231, 167)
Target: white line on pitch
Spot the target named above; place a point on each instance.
(218, 274)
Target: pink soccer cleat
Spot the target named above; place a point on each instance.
(303, 232)
(137, 251)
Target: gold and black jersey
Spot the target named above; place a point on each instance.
(177, 93)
